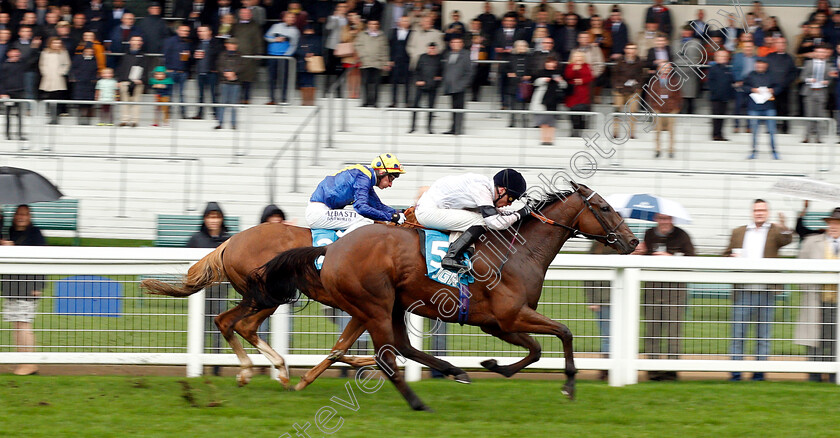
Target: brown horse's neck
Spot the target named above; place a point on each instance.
(543, 241)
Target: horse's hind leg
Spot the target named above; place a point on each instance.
(529, 321)
(247, 328)
(382, 333)
(226, 321)
(352, 331)
(407, 350)
(521, 339)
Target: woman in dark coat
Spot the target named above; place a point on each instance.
(515, 70)
(83, 72)
(213, 233)
(20, 291)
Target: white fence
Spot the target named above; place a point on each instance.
(128, 327)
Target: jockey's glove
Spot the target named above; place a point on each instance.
(398, 218)
(523, 212)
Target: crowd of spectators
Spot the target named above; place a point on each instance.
(550, 56)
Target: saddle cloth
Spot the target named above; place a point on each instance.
(322, 237)
(434, 245)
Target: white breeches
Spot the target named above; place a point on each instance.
(447, 219)
(318, 215)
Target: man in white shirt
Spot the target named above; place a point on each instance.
(818, 312)
(754, 302)
(470, 203)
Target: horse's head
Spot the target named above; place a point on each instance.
(584, 212)
(598, 220)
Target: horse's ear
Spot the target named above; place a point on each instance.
(574, 185)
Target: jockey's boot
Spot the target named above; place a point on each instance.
(454, 260)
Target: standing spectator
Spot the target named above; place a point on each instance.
(78, 26)
(283, 39)
(626, 82)
(815, 78)
(579, 75)
(758, 81)
(213, 233)
(257, 11)
(200, 15)
(370, 10)
(536, 61)
(698, 26)
(106, 92)
(503, 47)
(350, 63)
(117, 11)
(600, 37)
(646, 39)
(567, 37)
(754, 29)
(427, 77)
(516, 71)
(547, 95)
(250, 37)
(689, 54)
(400, 60)
(372, 47)
(754, 302)
(619, 33)
(394, 11)
(83, 78)
(132, 75)
(54, 65)
(97, 16)
(419, 40)
(666, 99)
(543, 7)
(659, 54)
(489, 22)
(225, 29)
(206, 53)
(334, 25)
(224, 8)
(22, 291)
(29, 48)
(161, 84)
(664, 303)
(230, 65)
(89, 40)
(593, 56)
(12, 87)
(455, 28)
(5, 42)
(782, 66)
(301, 16)
(661, 16)
(121, 36)
(720, 91)
(479, 51)
(457, 74)
(818, 313)
(310, 45)
(154, 29)
(743, 64)
(177, 52)
(62, 31)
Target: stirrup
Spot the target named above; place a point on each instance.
(454, 265)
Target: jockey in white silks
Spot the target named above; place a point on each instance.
(354, 185)
(470, 203)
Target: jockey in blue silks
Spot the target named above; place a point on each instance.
(354, 186)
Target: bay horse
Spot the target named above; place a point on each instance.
(376, 273)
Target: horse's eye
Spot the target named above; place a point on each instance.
(605, 208)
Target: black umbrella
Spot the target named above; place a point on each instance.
(21, 186)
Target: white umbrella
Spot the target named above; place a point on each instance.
(644, 206)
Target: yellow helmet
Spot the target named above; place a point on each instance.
(386, 163)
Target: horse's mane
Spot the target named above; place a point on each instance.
(550, 198)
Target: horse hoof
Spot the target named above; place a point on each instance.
(243, 378)
(463, 378)
(422, 407)
(569, 392)
(490, 364)
(300, 386)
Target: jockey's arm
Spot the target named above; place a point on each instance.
(497, 220)
(367, 203)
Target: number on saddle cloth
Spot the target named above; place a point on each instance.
(435, 244)
(322, 237)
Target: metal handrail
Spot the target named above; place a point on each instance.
(123, 170)
(294, 140)
(331, 91)
(832, 128)
(174, 132)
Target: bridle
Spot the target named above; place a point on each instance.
(610, 235)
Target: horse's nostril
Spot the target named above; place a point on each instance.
(634, 243)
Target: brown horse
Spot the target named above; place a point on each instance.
(233, 260)
(376, 273)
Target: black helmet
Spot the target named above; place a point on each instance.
(512, 181)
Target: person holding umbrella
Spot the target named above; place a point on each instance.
(664, 303)
(20, 291)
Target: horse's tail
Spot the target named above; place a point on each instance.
(205, 272)
(278, 281)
